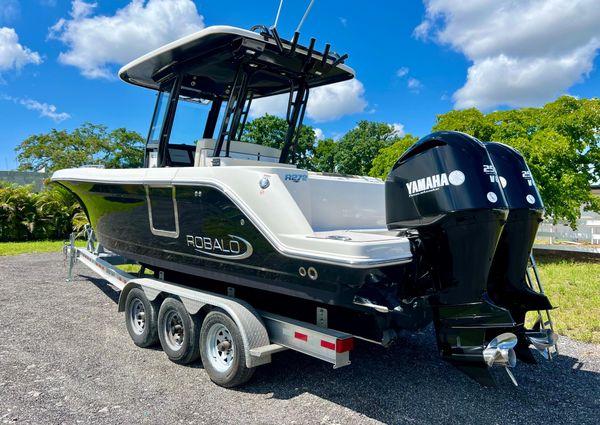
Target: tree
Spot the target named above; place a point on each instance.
(270, 130)
(356, 149)
(560, 142)
(470, 121)
(324, 156)
(86, 145)
(387, 157)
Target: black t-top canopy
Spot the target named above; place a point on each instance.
(209, 59)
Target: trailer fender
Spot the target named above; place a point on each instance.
(249, 322)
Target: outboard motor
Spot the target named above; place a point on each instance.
(507, 285)
(445, 186)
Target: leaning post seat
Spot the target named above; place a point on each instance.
(238, 150)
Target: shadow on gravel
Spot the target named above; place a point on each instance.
(409, 383)
(102, 285)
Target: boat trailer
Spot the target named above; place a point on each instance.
(263, 333)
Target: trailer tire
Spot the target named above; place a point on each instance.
(178, 332)
(223, 352)
(141, 319)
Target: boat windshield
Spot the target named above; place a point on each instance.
(158, 117)
(181, 119)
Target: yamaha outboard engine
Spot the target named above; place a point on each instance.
(507, 284)
(445, 186)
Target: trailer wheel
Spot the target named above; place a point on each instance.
(178, 332)
(222, 351)
(141, 319)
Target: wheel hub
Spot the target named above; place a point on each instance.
(221, 350)
(173, 331)
(137, 316)
(224, 346)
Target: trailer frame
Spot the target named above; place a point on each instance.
(263, 333)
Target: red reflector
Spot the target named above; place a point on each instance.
(343, 345)
(327, 344)
(300, 336)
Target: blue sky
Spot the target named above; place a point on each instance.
(413, 59)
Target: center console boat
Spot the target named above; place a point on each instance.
(445, 238)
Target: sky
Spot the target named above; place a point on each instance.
(413, 59)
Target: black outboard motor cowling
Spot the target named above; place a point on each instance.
(442, 187)
(446, 187)
(506, 284)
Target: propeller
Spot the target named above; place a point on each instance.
(500, 352)
(542, 341)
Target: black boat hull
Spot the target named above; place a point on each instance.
(196, 235)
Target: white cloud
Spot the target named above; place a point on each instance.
(343, 21)
(274, 105)
(325, 103)
(398, 129)
(96, 42)
(45, 109)
(13, 55)
(402, 72)
(328, 103)
(81, 9)
(414, 85)
(524, 53)
(319, 135)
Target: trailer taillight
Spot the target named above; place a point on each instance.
(343, 345)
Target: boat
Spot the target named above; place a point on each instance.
(376, 257)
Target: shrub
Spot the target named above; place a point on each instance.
(27, 215)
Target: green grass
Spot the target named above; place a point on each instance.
(134, 269)
(574, 287)
(35, 247)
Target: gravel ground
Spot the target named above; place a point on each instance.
(66, 357)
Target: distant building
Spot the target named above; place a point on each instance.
(588, 227)
(25, 177)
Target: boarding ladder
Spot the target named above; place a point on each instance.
(544, 320)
